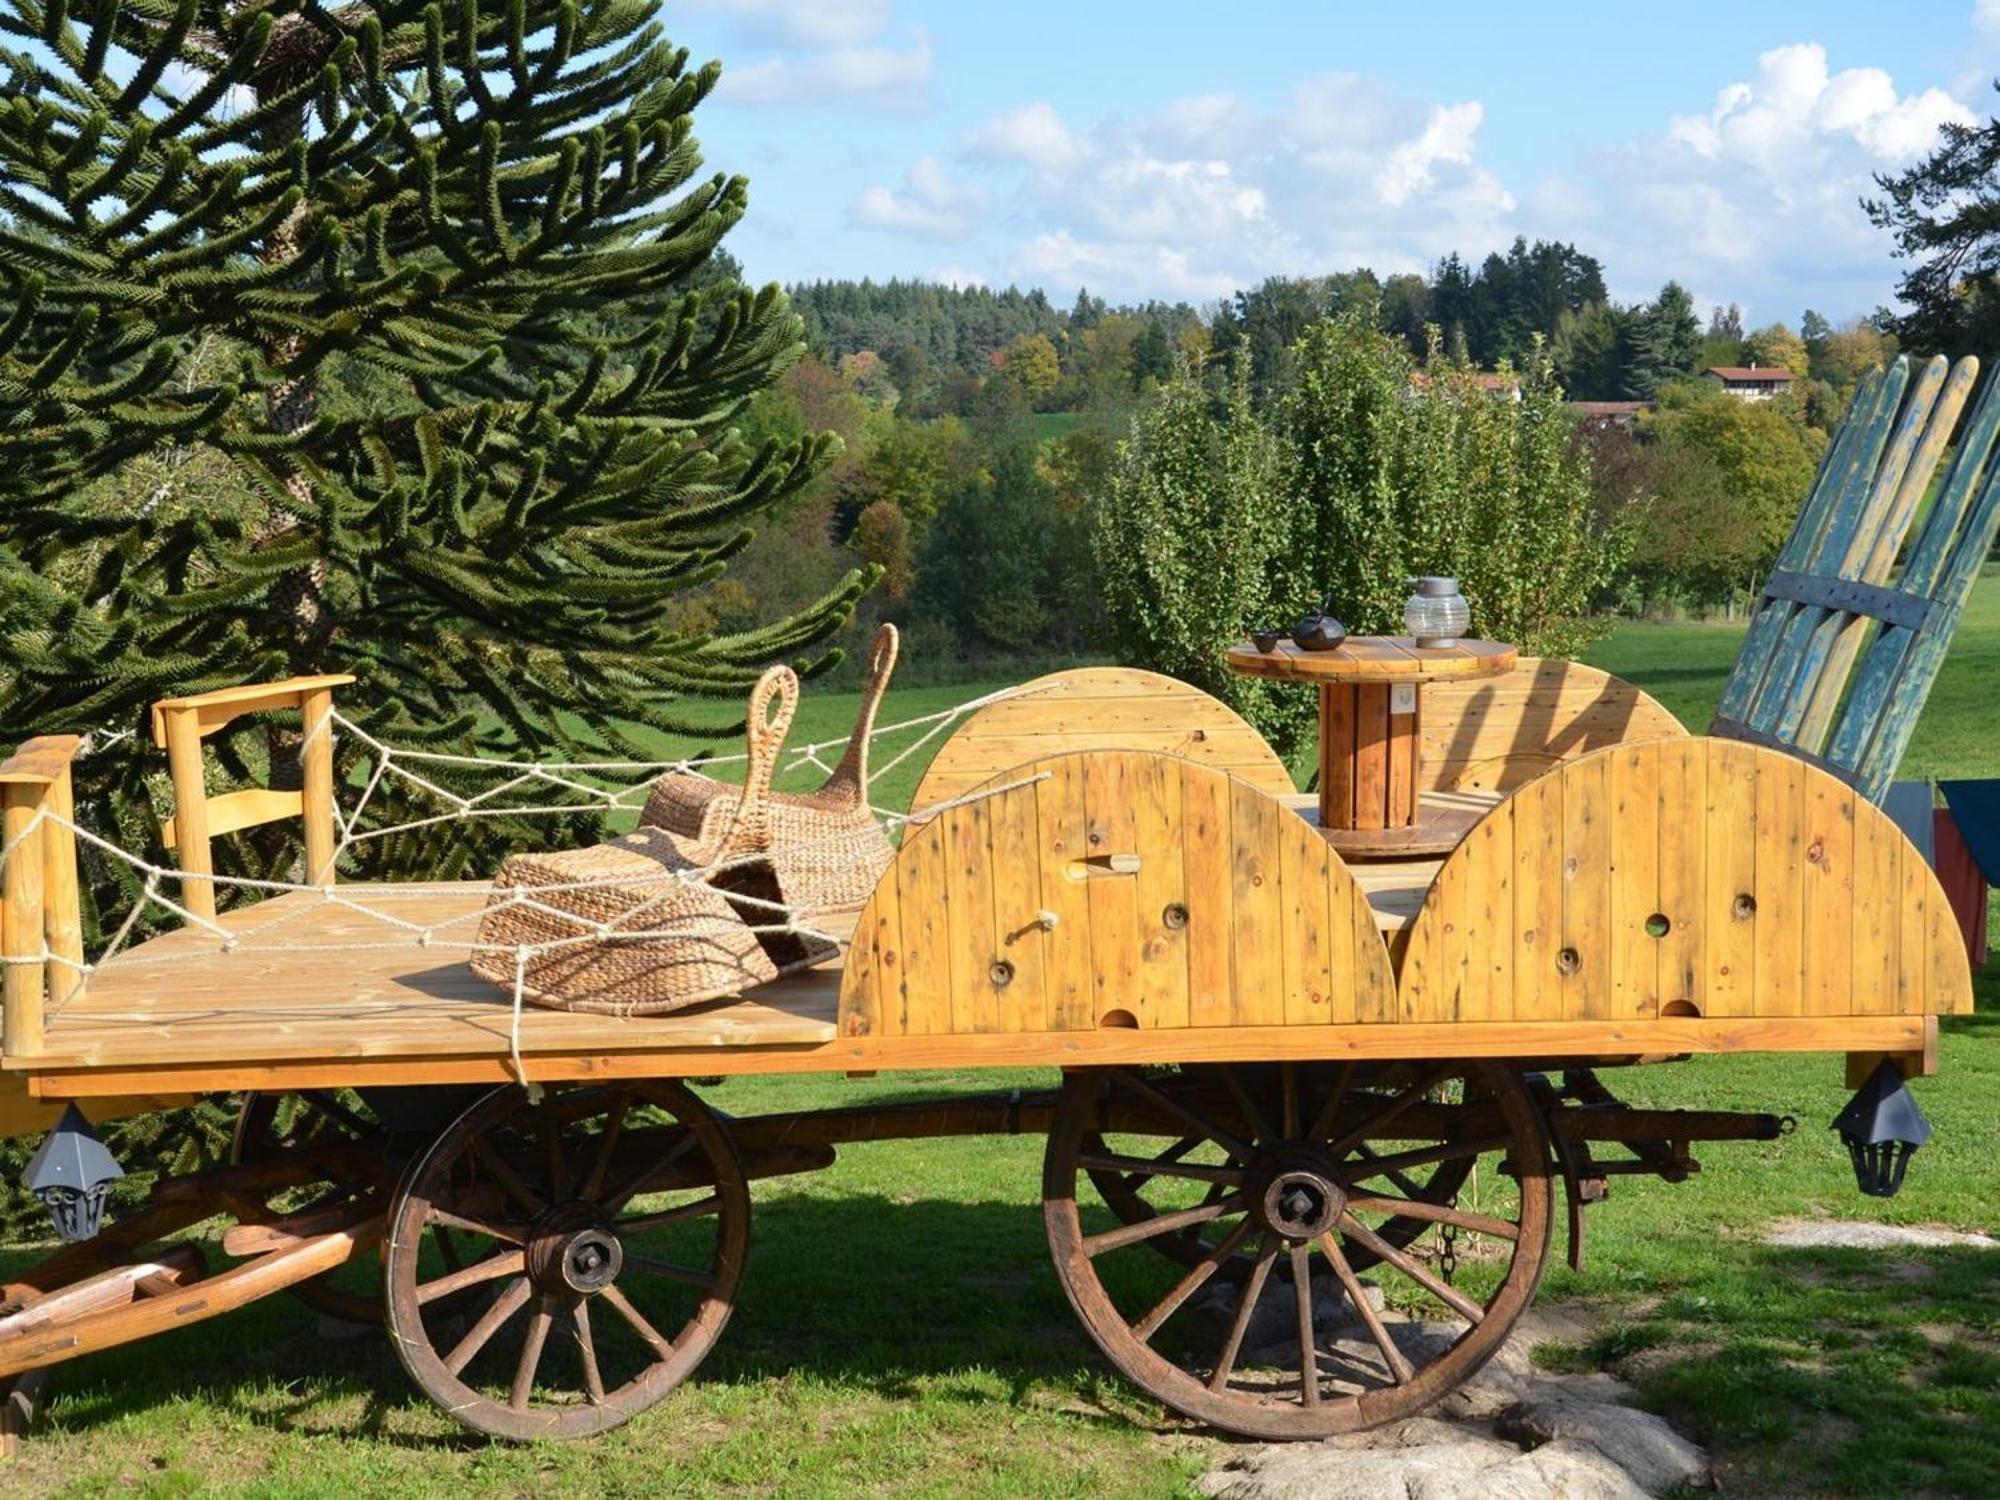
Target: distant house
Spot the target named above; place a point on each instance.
(1609, 413)
(1749, 382)
(1507, 386)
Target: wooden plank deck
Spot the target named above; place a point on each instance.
(317, 993)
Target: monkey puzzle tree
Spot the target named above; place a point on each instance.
(427, 293)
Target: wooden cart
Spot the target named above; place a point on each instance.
(1294, 1091)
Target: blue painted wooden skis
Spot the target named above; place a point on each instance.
(1795, 684)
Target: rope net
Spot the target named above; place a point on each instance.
(652, 906)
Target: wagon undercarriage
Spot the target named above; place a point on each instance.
(549, 1266)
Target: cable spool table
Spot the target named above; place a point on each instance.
(1369, 713)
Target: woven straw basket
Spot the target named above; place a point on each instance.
(652, 923)
(827, 846)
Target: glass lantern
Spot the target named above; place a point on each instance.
(1436, 614)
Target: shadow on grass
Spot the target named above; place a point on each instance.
(1852, 1372)
(882, 1298)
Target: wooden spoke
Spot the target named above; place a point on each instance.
(548, 1125)
(1322, 1125)
(1288, 1092)
(1357, 1295)
(1437, 1213)
(531, 1353)
(1403, 1182)
(700, 1208)
(687, 1275)
(1381, 1119)
(1385, 1165)
(330, 1106)
(1146, 1167)
(1191, 1283)
(1252, 1116)
(476, 1337)
(586, 1348)
(642, 1180)
(1232, 1144)
(1145, 1229)
(509, 1180)
(493, 1229)
(1246, 1304)
(1302, 1292)
(506, 1263)
(614, 1127)
(654, 1339)
(1450, 1295)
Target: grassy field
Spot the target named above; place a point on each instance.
(900, 1331)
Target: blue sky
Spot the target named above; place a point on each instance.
(1178, 150)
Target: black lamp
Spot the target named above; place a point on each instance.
(72, 1172)
(1881, 1127)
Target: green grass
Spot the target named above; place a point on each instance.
(900, 1331)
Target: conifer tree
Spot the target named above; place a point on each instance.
(426, 293)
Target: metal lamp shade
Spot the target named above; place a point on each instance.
(1882, 1128)
(72, 1172)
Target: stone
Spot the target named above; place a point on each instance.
(1641, 1444)
(1448, 1463)
(1845, 1234)
(1273, 1330)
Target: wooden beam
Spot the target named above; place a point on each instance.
(40, 762)
(234, 811)
(1537, 1041)
(213, 710)
(62, 900)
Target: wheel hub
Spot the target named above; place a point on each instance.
(1297, 1192)
(573, 1250)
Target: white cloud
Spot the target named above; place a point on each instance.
(883, 74)
(956, 276)
(1447, 137)
(819, 51)
(1034, 134)
(1764, 186)
(1986, 17)
(931, 204)
(813, 23)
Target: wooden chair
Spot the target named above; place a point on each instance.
(179, 727)
(1796, 684)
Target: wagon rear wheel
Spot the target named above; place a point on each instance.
(602, 1233)
(1314, 1340)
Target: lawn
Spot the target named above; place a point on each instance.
(900, 1331)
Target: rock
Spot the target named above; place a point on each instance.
(1450, 1463)
(1510, 1433)
(1843, 1234)
(1273, 1330)
(1641, 1444)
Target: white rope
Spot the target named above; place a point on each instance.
(516, 776)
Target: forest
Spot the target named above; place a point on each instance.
(981, 430)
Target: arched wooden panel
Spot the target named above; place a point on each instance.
(1684, 877)
(1100, 708)
(1496, 733)
(1106, 888)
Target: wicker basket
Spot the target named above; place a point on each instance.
(827, 845)
(632, 933)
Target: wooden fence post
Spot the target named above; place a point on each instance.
(183, 736)
(21, 919)
(62, 901)
(316, 785)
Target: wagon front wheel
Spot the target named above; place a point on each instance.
(599, 1236)
(1315, 1340)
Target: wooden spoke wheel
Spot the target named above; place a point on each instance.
(273, 1125)
(1249, 1097)
(1315, 1195)
(604, 1230)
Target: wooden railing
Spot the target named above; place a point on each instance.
(41, 922)
(180, 725)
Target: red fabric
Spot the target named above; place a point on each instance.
(1962, 882)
